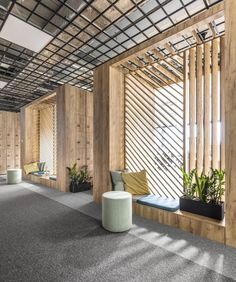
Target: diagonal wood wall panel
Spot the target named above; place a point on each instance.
(154, 132)
(47, 137)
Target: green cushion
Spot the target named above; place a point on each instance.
(117, 181)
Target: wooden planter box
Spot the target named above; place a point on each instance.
(74, 188)
(215, 211)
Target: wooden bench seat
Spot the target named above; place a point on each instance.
(198, 225)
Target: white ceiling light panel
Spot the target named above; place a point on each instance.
(2, 84)
(24, 34)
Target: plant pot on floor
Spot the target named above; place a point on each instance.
(80, 187)
(215, 211)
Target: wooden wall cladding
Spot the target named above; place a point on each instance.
(108, 127)
(74, 131)
(230, 120)
(29, 123)
(9, 140)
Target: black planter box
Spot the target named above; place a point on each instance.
(74, 188)
(215, 211)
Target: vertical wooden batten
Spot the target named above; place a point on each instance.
(199, 110)
(108, 126)
(186, 110)
(192, 107)
(207, 106)
(222, 101)
(215, 103)
(230, 120)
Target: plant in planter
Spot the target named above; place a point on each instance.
(79, 178)
(203, 193)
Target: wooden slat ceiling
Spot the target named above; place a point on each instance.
(86, 34)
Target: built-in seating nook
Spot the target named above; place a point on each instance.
(118, 140)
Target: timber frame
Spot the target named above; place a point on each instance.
(147, 59)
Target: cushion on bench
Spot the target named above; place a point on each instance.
(159, 202)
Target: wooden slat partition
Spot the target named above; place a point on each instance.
(154, 131)
(206, 132)
(47, 136)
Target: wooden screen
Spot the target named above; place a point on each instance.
(154, 133)
(47, 135)
(204, 106)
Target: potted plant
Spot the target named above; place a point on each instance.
(79, 179)
(203, 193)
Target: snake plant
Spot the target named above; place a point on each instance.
(208, 188)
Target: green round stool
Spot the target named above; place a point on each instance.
(117, 211)
(14, 176)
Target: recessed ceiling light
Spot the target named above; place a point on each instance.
(3, 84)
(5, 66)
(24, 34)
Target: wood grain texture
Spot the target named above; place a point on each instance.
(192, 107)
(195, 224)
(43, 180)
(186, 110)
(215, 104)
(199, 109)
(222, 100)
(74, 134)
(230, 121)
(108, 127)
(207, 106)
(29, 124)
(9, 141)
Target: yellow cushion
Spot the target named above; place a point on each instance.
(32, 167)
(136, 183)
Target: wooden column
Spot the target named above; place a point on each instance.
(230, 121)
(108, 126)
(72, 137)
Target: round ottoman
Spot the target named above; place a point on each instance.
(14, 176)
(117, 211)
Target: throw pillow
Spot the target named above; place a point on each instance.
(32, 167)
(117, 181)
(41, 166)
(136, 183)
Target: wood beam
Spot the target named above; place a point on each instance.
(197, 37)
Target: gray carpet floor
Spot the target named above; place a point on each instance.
(43, 240)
